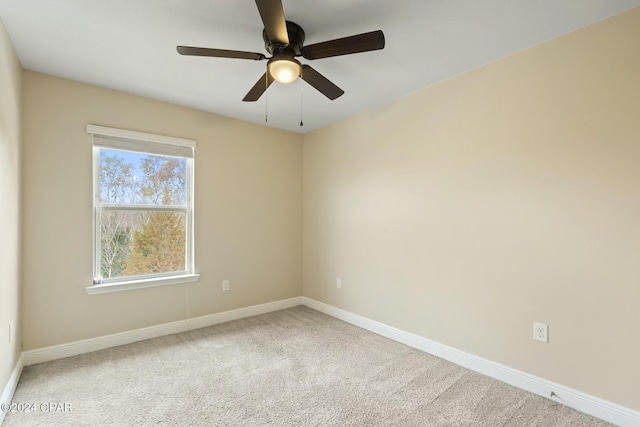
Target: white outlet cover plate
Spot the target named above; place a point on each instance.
(540, 332)
(339, 283)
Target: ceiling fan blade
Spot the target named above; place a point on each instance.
(321, 83)
(353, 44)
(259, 88)
(218, 53)
(272, 15)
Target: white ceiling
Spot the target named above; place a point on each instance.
(130, 45)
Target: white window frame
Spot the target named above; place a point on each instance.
(141, 142)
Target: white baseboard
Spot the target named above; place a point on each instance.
(241, 313)
(10, 388)
(32, 357)
(582, 402)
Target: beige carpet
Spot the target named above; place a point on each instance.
(295, 367)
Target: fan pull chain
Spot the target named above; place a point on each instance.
(266, 98)
(301, 124)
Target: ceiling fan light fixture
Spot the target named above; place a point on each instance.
(284, 70)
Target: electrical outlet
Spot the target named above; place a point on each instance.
(339, 283)
(225, 285)
(11, 332)
(540, 332)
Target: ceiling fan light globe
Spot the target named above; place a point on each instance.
(284, 70)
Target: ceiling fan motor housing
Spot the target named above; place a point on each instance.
(296, 40)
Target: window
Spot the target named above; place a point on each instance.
(143, 207)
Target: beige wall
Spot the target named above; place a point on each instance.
(248, 221)
(10, 104)
(510, 194)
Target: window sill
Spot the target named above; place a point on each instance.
(140, 284)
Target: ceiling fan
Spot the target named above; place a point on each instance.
(284, 40)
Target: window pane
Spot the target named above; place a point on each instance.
(142, 179)
(137, 243)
